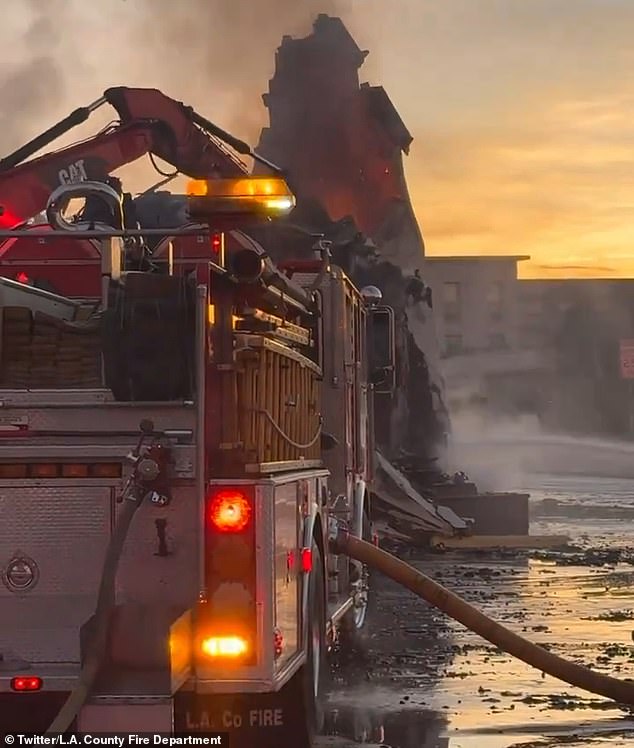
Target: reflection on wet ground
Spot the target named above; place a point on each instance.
(423, 681)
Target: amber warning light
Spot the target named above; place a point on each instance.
(268, 196)
(225, 646)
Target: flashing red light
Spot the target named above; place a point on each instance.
(229, 511)
(22, 277)
(9, 220)
(307, 560)
(26, 683)
(216, 243)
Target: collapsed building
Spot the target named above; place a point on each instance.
(342, 143)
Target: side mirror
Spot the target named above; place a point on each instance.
(382, 349)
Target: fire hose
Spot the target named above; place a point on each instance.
(621, 691)
(97, 640)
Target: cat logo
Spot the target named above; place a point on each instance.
(75, 172)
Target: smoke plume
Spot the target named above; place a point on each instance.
(33, 82)
(216, 55)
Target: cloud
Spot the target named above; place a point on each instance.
(553, 181)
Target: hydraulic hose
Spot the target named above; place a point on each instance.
(98, 638)
(576, 675)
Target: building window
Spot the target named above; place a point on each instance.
(495, 300)
(453, 345)
(451, 301)
(497, 341)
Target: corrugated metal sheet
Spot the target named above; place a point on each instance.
(395, 489)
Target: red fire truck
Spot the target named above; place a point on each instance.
(173, 447)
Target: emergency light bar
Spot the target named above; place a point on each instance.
(246, 195)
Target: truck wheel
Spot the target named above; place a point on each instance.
(316, 668)
(355, 620)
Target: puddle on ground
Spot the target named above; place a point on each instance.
(423, 728)
(421, 680)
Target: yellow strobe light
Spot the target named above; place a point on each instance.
(270, 193)
(225, 646)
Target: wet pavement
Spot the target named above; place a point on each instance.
(423, 681)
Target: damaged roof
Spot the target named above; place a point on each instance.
(381, 107)
(329, 36)
(331, 25)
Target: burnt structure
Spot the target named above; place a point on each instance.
(342, 144)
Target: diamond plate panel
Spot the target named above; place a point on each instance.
(64, 531)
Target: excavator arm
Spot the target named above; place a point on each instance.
(149, 122)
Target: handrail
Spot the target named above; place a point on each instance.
(107, 232)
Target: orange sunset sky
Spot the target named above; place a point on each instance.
(522, 111)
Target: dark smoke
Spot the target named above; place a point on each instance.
(216, 55)
(230, 45)
(28, 90)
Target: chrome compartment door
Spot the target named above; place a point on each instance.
(52, 544)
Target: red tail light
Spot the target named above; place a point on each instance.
(22, 277)
(307, 560)
(26, 683)
(229, 511)
(216, 243)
